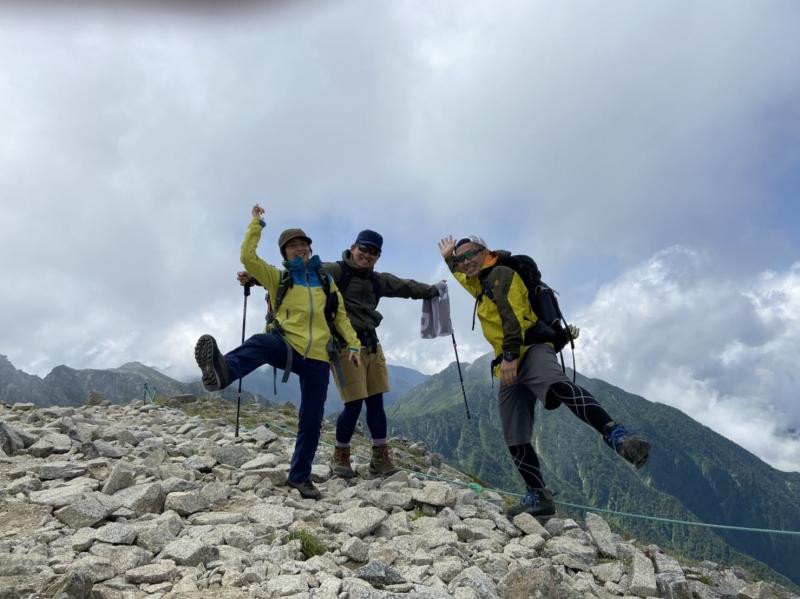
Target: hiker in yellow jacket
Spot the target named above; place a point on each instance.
(299, 338)
(528, 369)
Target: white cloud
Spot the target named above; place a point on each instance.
(135, 143)
(720, 349)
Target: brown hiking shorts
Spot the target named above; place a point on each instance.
(370, 378)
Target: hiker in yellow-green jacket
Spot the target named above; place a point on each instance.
(299, 339)
(527, 366)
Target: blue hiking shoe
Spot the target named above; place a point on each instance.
(538, 503)
(630, 446)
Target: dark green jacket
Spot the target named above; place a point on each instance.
(359, 296)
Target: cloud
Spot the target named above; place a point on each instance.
(135, 143)
(675, 330)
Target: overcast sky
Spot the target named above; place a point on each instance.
(646, 154)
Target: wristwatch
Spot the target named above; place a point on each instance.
(510, 356)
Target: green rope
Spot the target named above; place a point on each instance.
(479, 489)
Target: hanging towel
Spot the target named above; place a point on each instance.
(436, 314)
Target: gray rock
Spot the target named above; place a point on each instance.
(474, 578)
(571, 553)
(161, 571)
(75, 584)
(530, 525)
(107, 450)
(216, 518)
(123, 557)
(122, 476)
(142, 499)
(287, 585)
(83, 538)
(379, 574)
(199, 463)
(643, 578)
(60, 496)
(116, 533)
(267, 460)
(10, 440)
(216, 492)
(435, 493)
(274, 516)
(97, 568)
(56, 470)
(155, 538)
(355, 549)
(186, 503)
(24, 485)
(85, 512)
(156, 457)
(673, 585)
(232, 455)
(189, 552)
(49, 444)
(239, 537)
(601, 535)
(358, 522)
(528, 582)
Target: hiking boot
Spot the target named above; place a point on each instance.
(306, 489)
(341, 462)
(381, 463)
(538, 503)
(211, 362)
(630, 446)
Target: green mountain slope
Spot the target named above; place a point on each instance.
(694, 474)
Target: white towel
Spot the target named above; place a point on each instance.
(436, 314)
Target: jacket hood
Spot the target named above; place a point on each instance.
(347, 258)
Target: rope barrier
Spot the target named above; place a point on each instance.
(479, 489)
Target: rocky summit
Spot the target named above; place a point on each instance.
(143, 500)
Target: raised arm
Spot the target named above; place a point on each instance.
(267, 275)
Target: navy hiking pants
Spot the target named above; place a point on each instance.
(270, 348)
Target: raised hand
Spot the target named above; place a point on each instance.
(258, 211)
(447, 246)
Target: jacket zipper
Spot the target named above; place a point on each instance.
(311, 314)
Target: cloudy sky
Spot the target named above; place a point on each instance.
(646, 154)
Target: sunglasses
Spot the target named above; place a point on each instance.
(468, 255)
(369, 249)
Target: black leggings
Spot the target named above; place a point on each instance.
(348, 418)
(582, 404)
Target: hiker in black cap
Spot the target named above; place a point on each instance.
(310, 313)
(362, 288)
(527, 366)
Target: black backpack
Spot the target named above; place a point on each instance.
(550, 325)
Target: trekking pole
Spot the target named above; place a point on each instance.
(239, 394)
(460, 377)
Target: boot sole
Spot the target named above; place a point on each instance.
(387, 473)
(342, 473)
(204, 352)
(637, 452)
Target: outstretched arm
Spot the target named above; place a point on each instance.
(268, 275)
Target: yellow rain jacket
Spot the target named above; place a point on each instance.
(302, 313)
(506, 318)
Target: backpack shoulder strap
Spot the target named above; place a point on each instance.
(344, 278)
(285, 284)
(376, 285)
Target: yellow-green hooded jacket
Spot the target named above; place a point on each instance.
(301, 313)
(506, 318)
